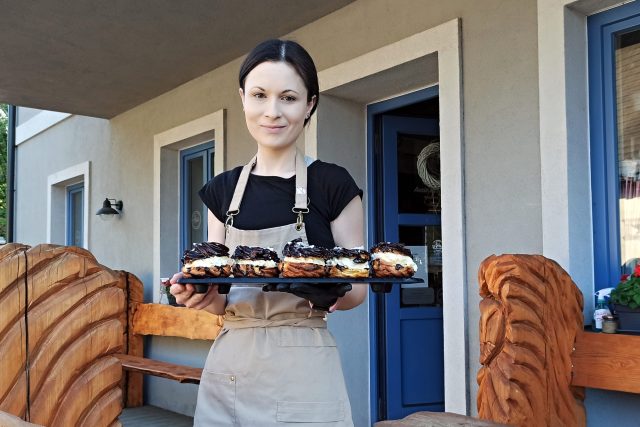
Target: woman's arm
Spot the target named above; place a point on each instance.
(212, 301)
(348, 232)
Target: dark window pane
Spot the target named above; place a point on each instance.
(425, 243)
(76, 218)
(211, 159)
(196, 213)
(418, 174)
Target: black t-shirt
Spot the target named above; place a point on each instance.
(268, 200)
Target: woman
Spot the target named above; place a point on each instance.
(274, 361)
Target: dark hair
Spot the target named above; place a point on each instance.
(284, 51)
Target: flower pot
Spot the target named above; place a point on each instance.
(628, 318)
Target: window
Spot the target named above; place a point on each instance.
(74, 214)
(196, 170)
(614, 109)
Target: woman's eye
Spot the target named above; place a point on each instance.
(259, 95)
(289, 98)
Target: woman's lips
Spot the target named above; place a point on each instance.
(273, 129)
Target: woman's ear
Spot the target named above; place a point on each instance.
(241, 92)
(310, 104)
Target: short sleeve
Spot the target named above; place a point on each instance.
(216, 194)
(341, 190)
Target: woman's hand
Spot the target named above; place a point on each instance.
(185, 294)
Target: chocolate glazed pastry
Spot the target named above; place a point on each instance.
(392, 260)
(301, 260)
(350, 263)
(254, 261)
(206, 259)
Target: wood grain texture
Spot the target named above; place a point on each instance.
(12, 327)
(104, 411)
(8, 420)
(437, 419)
(180, 373)
(132, 382)
(165, 320)
(607, 361)
(530, 315)
(61, 319)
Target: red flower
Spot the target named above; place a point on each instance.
(624, 277)
(636, 271)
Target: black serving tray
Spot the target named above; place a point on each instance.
(378, 284)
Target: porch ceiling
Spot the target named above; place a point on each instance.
(101, 58)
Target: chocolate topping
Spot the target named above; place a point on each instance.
(204, 250)
(398, 248)
(255, 253)
(359, 256)
(296, 248)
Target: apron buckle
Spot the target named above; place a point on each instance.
(229, 221)
(300, 219)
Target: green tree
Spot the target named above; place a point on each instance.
(4, 121)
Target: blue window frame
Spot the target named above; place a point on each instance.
(614, 166)
(75, 215)
(196, 166)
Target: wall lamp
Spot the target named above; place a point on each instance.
(107, 211)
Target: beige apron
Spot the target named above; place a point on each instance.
(274, 361)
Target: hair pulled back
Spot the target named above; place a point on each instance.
(292, 53)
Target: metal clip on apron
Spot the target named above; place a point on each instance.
(274, 362)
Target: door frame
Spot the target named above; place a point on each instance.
(374, 233)
(444, 40)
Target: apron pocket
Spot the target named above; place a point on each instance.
(294, 336)
(218, 394)
(310, 412)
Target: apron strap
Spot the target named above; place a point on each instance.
(301, 201)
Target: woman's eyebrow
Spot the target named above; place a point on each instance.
(290, 90)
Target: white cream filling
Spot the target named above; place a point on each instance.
(260, 262)
(393, 258)
(317, 261)
(216, 261)
(348, 262)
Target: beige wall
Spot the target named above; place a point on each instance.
(501, 147)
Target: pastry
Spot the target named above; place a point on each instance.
(206, 259)
(352, 263)
(392, 260)
(253, 261)
(301, 260)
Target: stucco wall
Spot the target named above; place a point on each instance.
(501, 149)
(64, 145)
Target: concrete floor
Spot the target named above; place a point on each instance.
(151, 416)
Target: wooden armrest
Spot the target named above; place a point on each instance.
(607, 361)
(180, 373)
(168, 321)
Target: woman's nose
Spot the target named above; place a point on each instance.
(272, 109)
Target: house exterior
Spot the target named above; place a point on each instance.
(510, 87)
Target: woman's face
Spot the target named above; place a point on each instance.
(275, 104)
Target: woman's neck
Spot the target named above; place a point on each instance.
(280, 163)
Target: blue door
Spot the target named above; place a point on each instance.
(410, 341)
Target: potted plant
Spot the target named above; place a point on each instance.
(164, 290)
(626, 300)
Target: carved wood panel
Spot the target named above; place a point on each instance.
(530, 314)
(61, 321)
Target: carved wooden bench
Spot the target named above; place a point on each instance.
(536, 357)
(163, 320)
(68, 327)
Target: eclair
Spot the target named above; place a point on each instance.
(392, 260)
(353, 263)
(301, 260)
(253, 261)
(206, 259)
